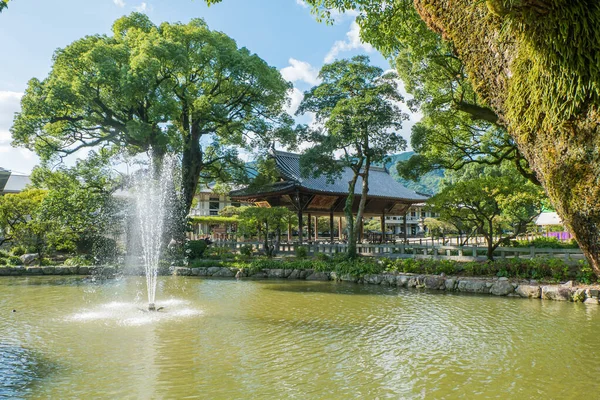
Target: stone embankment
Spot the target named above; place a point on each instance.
(493, 286)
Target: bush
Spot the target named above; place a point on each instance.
(77, 261)
(223, 253)
(585, 274)
(18, 250)
(301, 252)
(323, 257)
(198, 263)
(246, 250)
(13, 260)
(194, 249)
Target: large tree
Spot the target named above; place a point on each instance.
(357, 110)
(169, 88)
(534, 63)
(496, 201)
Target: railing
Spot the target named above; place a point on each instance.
(457, 253)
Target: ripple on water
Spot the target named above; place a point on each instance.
(135, 313)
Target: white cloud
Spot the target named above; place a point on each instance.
(352, 42)
(119, 3)
(300, 71)
(295, 96)
(302, 3)
(143, 7)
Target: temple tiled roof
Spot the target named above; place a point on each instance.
(381, 184)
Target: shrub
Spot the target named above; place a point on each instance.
(18, 250)
(13, 260)
(77, 261)
(585, 274)
(323, 257)
(301, 252)
(246, 250)
(194, 249)
(218, 252)
(198, 263)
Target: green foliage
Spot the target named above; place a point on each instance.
(546, 243)
(213, 220)
(198, 263)
(23, 222)
(171, 87)
(495, 201)
(218, 252)
(301, 252)
(14, 260)
(358, 108)
(266, 221)
(585, 273)
(78, 261)
(18, 250)
(246, 250)
(194, 249)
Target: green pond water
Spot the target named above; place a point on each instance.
(222, 339)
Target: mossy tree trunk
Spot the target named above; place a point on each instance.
(535, 63)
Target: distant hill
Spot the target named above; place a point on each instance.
(428, 184)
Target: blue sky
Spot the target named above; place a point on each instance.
(282, 32)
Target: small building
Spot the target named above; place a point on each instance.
(313, 197)
(208, 203)
(12, 182)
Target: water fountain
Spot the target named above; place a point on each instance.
(153, 201)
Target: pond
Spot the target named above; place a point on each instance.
(222, 339)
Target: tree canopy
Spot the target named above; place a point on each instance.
(176, 87)
(496, 201)
(358, 114)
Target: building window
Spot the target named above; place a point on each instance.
(413, 213)
(213, 206)
(422, 214)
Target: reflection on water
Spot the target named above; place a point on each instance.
(20, 370)
(274, 339)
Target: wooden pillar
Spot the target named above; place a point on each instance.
(340, 232)
(331, 226)
(383, 227)
(405, 227)
(309, 234)
(289, 232)
(300, 226)
(316, 227)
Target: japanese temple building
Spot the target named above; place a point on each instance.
(316, 197)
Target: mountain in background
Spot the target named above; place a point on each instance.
(427, 184)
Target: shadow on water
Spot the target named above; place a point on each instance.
(331, 288)
(62, 281)
(21, 370)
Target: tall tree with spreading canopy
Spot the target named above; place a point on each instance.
(358, 114)
(496, 200)
(534, 63)
(169, 88)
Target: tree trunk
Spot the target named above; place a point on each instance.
(352, 235)
(506, 66)
(363, 201)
